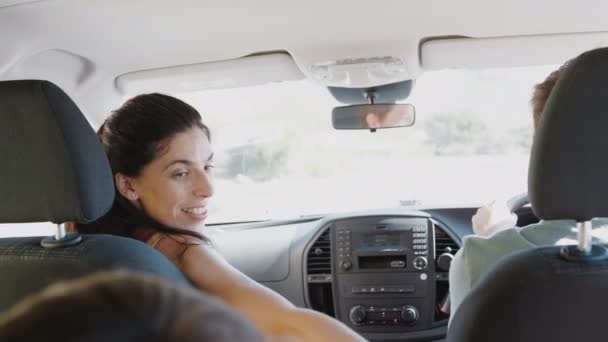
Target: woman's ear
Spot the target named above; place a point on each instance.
(125, 187)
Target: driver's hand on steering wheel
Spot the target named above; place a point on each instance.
(491, 218)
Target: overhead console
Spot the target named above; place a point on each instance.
(384, 273)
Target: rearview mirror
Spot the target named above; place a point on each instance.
(373, 116)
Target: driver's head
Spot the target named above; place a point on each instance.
(120, 306)
(373, 120)
(392, 118)
(542, 91)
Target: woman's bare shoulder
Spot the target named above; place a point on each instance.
(174, 246)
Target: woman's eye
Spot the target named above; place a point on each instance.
(180, 174)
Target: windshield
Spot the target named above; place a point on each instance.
(279, 157)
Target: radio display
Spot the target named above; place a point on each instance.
(382, 240)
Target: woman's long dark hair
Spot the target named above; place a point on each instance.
(132, 137)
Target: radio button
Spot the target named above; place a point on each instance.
(397, 264)
(357, 315)
(346, 265)
(420, 263)
(409, 314)
(407, 289)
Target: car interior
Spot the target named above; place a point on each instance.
(355, 142)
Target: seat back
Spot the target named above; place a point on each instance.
(555, 293)
(55, 170)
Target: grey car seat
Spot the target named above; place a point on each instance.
(54, 169)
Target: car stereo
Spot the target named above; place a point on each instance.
(384, 275)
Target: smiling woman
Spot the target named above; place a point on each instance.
(175, 187)
(160, 154)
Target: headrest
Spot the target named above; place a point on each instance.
(568, 174)
(53, 166)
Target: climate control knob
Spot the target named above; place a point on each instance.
(346, 265)
(357, 314)
(409, 314)
(420, 263)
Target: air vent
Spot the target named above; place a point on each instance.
(319, 257)
(444, 243)
(318, 272)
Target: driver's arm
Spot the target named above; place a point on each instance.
(460, 281)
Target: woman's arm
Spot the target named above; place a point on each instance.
(273, 314)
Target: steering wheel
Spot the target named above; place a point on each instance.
(517, 202)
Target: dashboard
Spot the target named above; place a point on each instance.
(383, 273)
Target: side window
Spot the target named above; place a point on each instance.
(26, 229)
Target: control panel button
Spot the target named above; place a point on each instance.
(409, 314)
(397, 264)
(420, 263)
(357, 314)
(346, 265)
(407, 289)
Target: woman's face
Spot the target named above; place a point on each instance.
(175, 187)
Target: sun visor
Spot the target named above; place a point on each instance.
(503, 52)
(240, 72)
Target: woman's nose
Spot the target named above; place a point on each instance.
(204, 186)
